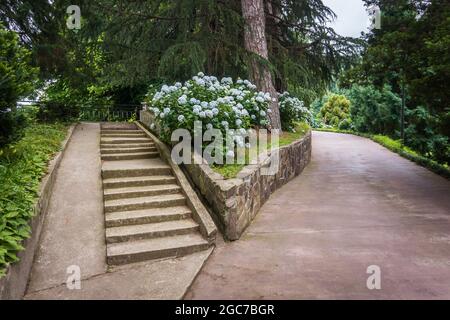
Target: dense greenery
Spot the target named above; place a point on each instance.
(123, 46)
(17, 79)
(22, 165)
(409, 56)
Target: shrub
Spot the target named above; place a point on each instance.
(22, 166)
(217, 104)
(336, 110)
(421, 134)
(11, 126)
(373, 110)
(292, 110)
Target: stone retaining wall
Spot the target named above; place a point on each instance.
(235, 202)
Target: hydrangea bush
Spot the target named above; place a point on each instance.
(292, 110)
(219, 104)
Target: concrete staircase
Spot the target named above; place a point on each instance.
(146, 213)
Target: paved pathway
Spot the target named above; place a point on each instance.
(357, 204)
(74, 234)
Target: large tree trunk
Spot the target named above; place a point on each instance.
(255, 42)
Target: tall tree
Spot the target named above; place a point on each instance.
(256, 43)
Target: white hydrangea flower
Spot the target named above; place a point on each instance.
(238, 122)
(209, 126)
(165, 88)
(166, 110)
(213, 104)
(180, 118)
(209, 113)
(182, 100)
(204, 104)
(226, 80)
(202, 114)
(200, 82)
(262, 113)
(224, 123)
(259, 99)
(201, 74)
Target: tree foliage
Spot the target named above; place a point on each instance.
(17, 80)
(128, 44)
(411, 50)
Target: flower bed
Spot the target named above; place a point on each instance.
(217, 104)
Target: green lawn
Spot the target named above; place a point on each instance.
(22, 166)
(230, 171)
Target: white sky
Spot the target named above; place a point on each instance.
(352, 17)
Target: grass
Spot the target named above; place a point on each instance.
(22, 166)
(229, 171)
(397, 147)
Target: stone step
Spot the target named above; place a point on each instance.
(124, 140)
(126, 218)
(160, 201)
(138, 181)
(141, 250)
(150, 230)
(127, 150)
(135, 168)
(122, 146)
(143, 191)
(121, 131)
(123, 135)
(118, 173)
(129, 156)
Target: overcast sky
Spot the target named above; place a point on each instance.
(351, 19)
